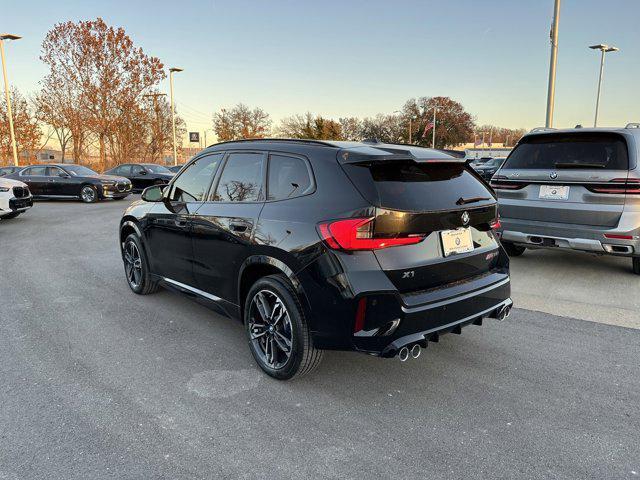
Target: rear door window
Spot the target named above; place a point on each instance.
(242, 178)
(288, 177)
(418, 187)
(35, 171)
(589, 150)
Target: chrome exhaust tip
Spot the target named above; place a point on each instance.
(502, 314)
(403, 354)
(507, 312)
(416, 351)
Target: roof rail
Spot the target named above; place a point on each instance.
(541, 129)
(633, 125)
(292, 140)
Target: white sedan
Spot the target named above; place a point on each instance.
(15, 198)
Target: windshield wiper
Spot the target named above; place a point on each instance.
(464, 201)
(579, 165)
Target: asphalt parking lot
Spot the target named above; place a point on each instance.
(97, 382)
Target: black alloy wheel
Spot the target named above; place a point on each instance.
(278, 335)
(136, 267)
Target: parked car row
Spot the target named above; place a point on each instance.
(75, 182)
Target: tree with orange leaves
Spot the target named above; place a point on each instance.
(103, 77)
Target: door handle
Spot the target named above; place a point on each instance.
(239, 227)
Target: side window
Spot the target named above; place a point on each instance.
(122, 170)
(53, 171)
(288, 177)
(137, 169)
(193, 183)
(241, 179)
(36, 171)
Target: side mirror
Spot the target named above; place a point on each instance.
(63, 175)
(153, 193)
(142, 172)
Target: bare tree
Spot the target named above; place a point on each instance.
(385, 128)
(50, 112)
(310, 126)
(241, 122)
(351, 128)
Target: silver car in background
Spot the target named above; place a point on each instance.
(576, 189)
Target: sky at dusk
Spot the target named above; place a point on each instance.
(359, 58)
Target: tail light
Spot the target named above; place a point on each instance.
(617, 185)
(500, 182)
(357, 234)
(615, 236)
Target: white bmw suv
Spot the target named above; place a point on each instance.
(15, 198)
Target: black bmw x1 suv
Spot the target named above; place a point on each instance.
(319, 245)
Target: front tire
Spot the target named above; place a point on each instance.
(89, 194)
(513, 250)
(277, 331)
(136, 267)
(636, 265)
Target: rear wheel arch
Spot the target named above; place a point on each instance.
(259, 266)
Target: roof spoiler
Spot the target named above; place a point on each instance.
(542, 129)
(392, 155)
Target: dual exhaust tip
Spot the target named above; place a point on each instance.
(405, 352)
(504, 313)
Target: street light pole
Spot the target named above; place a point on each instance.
(173, 113)
(551, 92)
(603, 49)
(433, 134)
(3, 37)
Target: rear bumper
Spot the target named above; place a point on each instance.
(421, 323)
(532, 234)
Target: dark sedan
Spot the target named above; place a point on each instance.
(488, 168)
(175, 168)
(71, 181)
(142, 175)
(4, 171)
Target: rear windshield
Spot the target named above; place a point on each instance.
(606, 151)
(418, 187)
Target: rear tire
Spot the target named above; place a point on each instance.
(11, 215)
(636, 265)
(513, 250)
(274, 320)
(136, 267)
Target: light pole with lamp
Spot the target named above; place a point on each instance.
(173, 113)
(604, 49)
(3, 37)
